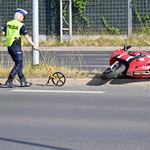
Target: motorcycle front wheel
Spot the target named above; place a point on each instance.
(113, 71)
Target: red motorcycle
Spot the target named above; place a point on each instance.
(130, 63)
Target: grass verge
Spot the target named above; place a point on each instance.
(41, 72)
(134, 40)
(141, 40)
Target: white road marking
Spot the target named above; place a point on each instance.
(59, 91)
(83, 54)
(91, 66)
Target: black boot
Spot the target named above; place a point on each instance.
(9, 82)
(24, 83)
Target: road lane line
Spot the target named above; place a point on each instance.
(58, 91)
(84, 54)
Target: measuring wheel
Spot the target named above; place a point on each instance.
(58, 79)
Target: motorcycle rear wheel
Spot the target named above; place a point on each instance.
(113, 72)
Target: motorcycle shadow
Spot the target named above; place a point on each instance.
(97, 80)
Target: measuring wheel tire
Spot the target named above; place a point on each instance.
(61, 77)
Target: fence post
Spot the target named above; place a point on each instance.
(65, 20)
(61, 21)
(129, 17)
(70, 20)
(35, 32)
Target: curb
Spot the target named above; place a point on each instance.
(43, 81)
(94, 81)
(87, 81)
(80, 48)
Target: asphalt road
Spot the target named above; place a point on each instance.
(84, 60)
(80, 59)
(86, 117)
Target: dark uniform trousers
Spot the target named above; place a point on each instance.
(17, 55)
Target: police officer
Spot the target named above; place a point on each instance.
(13, 31)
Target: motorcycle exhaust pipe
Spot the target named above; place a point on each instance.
(146, 73)
(141, 73)
(137, 73)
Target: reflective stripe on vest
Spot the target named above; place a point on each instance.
(12, 31)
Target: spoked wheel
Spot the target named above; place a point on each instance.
(59, 79)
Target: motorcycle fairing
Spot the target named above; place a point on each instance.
(137, 63)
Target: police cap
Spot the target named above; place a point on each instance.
(21, 11)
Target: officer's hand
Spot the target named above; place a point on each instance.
(35, 48)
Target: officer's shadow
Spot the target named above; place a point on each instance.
(16, 83)
(4, 86)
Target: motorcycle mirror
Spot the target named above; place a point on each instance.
(126, 47)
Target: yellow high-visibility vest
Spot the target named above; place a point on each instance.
(12, 31)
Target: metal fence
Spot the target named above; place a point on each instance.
(114, 11)
(143, 7)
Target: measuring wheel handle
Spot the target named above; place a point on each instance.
(58, 79)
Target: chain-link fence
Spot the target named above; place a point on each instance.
(48, 14)
(115, 13)
(143, 8)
